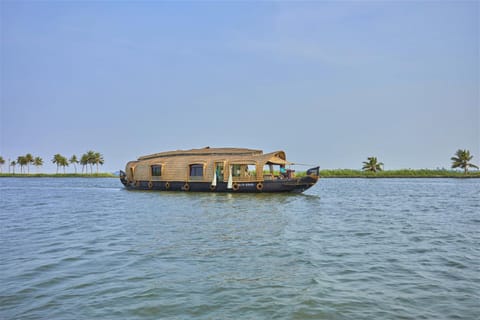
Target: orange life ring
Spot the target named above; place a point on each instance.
(235, 186)
(259, 186)
(167, 185)
(150, 184)
(186, 187)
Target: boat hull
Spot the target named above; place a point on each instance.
(295, 185)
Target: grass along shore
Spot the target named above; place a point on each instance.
(402, 173)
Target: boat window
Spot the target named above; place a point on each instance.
(236, 170)
(156, 170)
(243, 170)
(196, 170)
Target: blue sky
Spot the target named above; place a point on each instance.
(331, 83)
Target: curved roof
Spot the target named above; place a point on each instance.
(204, 152)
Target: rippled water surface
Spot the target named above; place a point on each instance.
(345, 249)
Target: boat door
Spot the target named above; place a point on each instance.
(219, 170)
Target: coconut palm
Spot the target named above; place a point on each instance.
(63, 163)
(2, 162)
(461, 160)
(372, 165)
(57, 159)
(38, 162)
(13, 164)
(29, 159)
(98, 159)
(22, 161)
(84, 162)
(73, 160)
(91, 159)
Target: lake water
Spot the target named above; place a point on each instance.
(345, 249)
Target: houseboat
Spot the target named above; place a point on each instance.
(216, 170)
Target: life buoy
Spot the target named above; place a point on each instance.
(212, 187)
(167, 185)
(150, 184)
(186, 187)
(235, 186)
(259, 186)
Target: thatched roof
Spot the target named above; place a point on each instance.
(204, 152)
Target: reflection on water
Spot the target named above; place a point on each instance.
(346, 249)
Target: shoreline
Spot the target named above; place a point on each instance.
(58, 175)
(396, 174)
(324, 174)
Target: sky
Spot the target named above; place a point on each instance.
(331, 83)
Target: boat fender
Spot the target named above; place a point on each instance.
(186, 187)
(235, 186)
(259, 186)
(212, 187)
(150, 184)
(167, 185)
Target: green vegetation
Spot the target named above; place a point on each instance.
(402, 173)
(462, 160)
(60, 161)
(372, 165)
(371, 168)
(38, 162)
(73, 160)
(89, 158)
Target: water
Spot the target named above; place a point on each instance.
(346, 249)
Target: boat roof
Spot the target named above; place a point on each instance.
(207, 151)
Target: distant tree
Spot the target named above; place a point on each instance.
(2, 162)
(372, 165)
(29, 159)
(98, 159)
(13, 164)
(22, 161)
(84, 162)
(58, 160)
(91, 159)
(462, 160)
(73, 160)
(38, 162)
(63, 163)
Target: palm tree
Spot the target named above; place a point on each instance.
(22, 161)
(90, 159)
(57, 159)
(73, 160)
(372, 165)
(29, 159)
(84, 161)
(13, 164)
(63, 163)
(461, 160)
(38, 162)
(2, 162)
(98, 159)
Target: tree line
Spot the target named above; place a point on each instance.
(461, 160)
(88, 159)
(91, 158)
